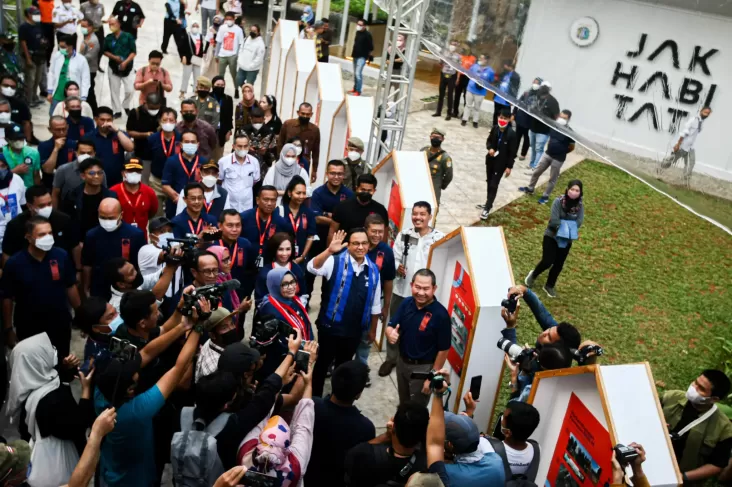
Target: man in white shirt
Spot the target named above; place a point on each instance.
(228, 41)
(151, 258)
(65, 18)
(684, 148)
(411, 250)
(124, 277)
(238, 172)
(519, 454)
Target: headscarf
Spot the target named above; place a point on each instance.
(568, 204)
(284, 173)
(33, 376)
(244, 101)
(307, 15)
(218, 251)
(274, 283)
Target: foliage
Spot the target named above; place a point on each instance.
(355, 7)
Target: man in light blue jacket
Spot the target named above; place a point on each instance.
(476, 89)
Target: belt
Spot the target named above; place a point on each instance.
(412, 361)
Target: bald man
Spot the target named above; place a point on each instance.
(112, 238)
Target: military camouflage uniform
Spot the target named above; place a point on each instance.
(440, 170)
(209, 110)
(353, 171)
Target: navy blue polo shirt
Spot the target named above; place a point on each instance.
(305, 223)
(161, 154)
(39, 290)
(323, 200)
(112, 155)
(383, 257)
(77, 131)
(176, 176)
(242, 261)
(422, 336)
(183, 223)
(251, 232)
(66, 154)
(558, 146)
(101, 245)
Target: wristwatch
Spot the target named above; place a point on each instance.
(291, 354)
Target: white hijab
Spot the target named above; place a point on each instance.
(33, 376)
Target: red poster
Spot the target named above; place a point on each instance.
(395, 212)
(583, 453)
(462, 311)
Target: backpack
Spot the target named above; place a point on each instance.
(523, 480)
(193, 451)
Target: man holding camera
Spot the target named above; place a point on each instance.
(421, 326)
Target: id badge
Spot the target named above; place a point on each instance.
(259, 262)
(55, 274)
(124, 19)
(297, 250)
(126, 248)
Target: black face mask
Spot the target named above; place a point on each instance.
(703, 117)
(253, 35)
(364, 197)
(203, 93)
(219, 91)
(189, 117)
(304, 120)
(75, 114)
(229, 337)
(435, 142)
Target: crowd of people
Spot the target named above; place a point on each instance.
(104, 230)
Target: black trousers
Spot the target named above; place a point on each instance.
(461, 88)
(169, 29)
(47, 29)
(91, 98)
(332, 348)
(554, 257)
(523, 133)
(493, 176)
(100, 35)
(447, 82)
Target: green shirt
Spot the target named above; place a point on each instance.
(29, 156)
(63, 78)
(122, 46)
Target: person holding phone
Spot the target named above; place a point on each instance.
(421, 327)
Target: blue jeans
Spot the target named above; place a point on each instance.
(358, 65)
(542, 315)
(246, 77)
(53, 106)
(538, 143)
(364, 347)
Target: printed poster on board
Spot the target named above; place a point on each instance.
(394, 212)
(583, 453)
(461, 307)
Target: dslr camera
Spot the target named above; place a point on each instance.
(518, 354)
(266, 329)
(436, 379)
(581, 355)
(212, 292)
(625, 455)
(122, 350)
(189, 246)
(510, 303)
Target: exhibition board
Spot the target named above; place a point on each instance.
(299, 64)
(284, 33)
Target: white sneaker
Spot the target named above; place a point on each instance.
(484, 215)
(529, 281)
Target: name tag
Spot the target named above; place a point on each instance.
(55, 274)
(425, 321)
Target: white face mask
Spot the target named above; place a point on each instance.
(241, 153)
(359, 27)
(36, 18)
(257, 126)
(168, 127)
(290, 160)
(109, 225)
(561, 121)
(45, 212)
(17, 144)
(8, 91)
(67, 6)
(693, 396)
(4, 117)
(82, 157)
(189, 148)
(163, 239)
(230, 23)
(45, 243)
(153, 112)
(354, 156)
(298, 150)
(535, 86)
(452, 48)
(195, 30)
(209, 181)
(133, 177)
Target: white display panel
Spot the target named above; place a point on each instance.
(299, 64)
(359, 111)
(285, 32)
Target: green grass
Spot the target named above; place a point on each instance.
(647, 279)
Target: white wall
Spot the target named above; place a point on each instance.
(581, 76)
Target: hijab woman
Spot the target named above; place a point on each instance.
(279, 255)
(282, 172)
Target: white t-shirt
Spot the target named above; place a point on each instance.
(11, 199)
(147, 260)
(519, 460)
(209, 4)
(230, 40)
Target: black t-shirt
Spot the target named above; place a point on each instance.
(129, 16)
(19, 111)
(140, 120)
(721, 452)
(33, 37)
(371, 465)
(558, 146)
(65, 234)
(549, 107)
(337, 429)
(352, 214)
(89, 212)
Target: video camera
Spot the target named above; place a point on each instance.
(518, 354)
(213, 293)
(581, 355)
(266, 329)
(189, 246)
(625, 455)
(436, 379)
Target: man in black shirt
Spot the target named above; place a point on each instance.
(130, 16)
(502, 145)
(82, 204)
(363, 46)
(33, 48)
(547, 106)
(339, 425)
(65, 233)
(352, 213)
(384, 458)
(142, 122)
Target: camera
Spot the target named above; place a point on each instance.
(256, 479)
(581, 355)
(266, 329)
(511, 303)
(122, 350)
(517, 353)
(189, 246)
(625, 455)
(435, 378)
(212, 292)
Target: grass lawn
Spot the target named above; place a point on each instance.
(647, 279)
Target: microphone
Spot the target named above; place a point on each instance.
(230, 285)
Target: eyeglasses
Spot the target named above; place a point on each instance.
(360, 244)
(210, 272)
(287, 284)
(95, 173)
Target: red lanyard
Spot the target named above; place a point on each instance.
(233, 254)
(167, 151)
(291, 316)
(129, 202)
(259, 229)
(299, 221)
(207, 205)
(193, 169)
(198, 228)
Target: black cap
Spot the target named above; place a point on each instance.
(14, 132)
(238, 359)
(117, 377)
(158, 223)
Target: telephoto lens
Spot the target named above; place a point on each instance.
(510, 348)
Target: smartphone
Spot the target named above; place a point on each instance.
(475, 383)
(302, 361)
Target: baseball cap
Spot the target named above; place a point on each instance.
(462, 432)
(356, 142)
(133, 164)
(32, 11)
(547, 84)
(211, 165)
(238, 359)
(14, 458)
(204, 81)
(157, 223)
(439, 132)
(14, 132)
(318, 24)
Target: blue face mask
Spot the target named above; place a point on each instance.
(115, 323)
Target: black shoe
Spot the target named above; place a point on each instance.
(436, 114)
(127, 111)
(100, 70)
(164, 51)
(368, 382)
(236, 94)
(475, 124)
(463, 123)
(448, 118)
(118, 115)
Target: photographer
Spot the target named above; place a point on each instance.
(151, 258)
(221, 328)
(639, 478)
(205, 271)
(124, 277)
(127, 456)
(552, 356)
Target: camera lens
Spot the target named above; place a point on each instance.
(510, 348)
